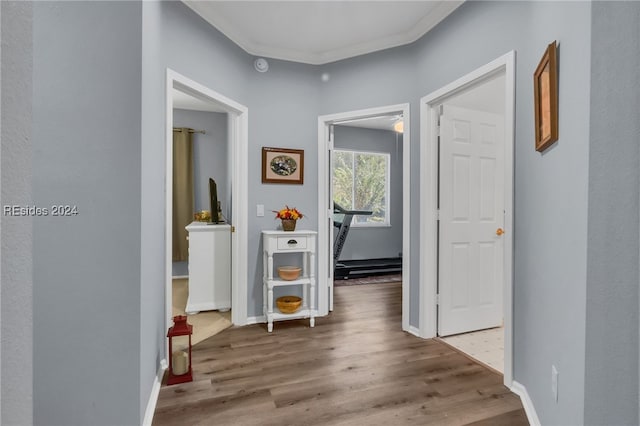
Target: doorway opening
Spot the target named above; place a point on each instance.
(366, 184)
(467, 213)
(472, 136)
(355, 147)
(233, 185)
(201, 285)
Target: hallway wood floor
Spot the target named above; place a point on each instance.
(356, 367)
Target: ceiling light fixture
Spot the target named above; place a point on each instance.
(398, 126)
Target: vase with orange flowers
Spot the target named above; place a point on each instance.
(288, 216)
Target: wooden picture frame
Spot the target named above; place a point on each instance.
(282, 165)
(545, 89)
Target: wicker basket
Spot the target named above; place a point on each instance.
(288, 304)
(288, 224)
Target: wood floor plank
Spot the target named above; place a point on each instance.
(355, 367)
(505, 419)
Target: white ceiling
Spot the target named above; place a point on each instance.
(382, 122)
(488, 96)
(319, 32)
(183, 100)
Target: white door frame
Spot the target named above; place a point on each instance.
(325, 216)
(429, 106)
(238, 140)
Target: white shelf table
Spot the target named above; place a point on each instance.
(275, 242)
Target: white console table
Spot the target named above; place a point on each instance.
(209, 267)
(275, 242)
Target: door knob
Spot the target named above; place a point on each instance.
(499, 231)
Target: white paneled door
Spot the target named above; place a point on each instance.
(471, 225)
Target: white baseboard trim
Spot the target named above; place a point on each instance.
(179, 277)
(155, 392)
(414, 330)
(521, 391)
(256, 320)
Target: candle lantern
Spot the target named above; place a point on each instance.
(180, 351)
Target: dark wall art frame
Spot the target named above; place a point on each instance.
(282, 165)
(545, 89)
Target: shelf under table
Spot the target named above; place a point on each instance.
(277, 283)
(301, 314)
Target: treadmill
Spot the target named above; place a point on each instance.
(345, 269)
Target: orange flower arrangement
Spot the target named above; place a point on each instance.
(288, 213)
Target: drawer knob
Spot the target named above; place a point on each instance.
(292, 242)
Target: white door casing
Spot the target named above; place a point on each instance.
(325, 205)
(330, 148)
(238, 139)
(429, 112)
(471, 221)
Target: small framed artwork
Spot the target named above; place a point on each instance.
(545, 88)
(282, 165)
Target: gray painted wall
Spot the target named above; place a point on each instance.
(86, 152)
(375, 242)
(550, 266)
(550, 198)
(16, 374)
(282, 113)
(384, 78)
(611, 382)
(209, 161)
(172, 36)
(75, 54)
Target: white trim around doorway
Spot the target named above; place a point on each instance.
(238, 140)
(326, 210)
(429, 106)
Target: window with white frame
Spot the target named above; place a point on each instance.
(361, 182)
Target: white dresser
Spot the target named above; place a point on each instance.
(209, 267)
(275, 242)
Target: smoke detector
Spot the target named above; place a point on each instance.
(261, 65)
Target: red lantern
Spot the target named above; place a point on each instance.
(180, 351)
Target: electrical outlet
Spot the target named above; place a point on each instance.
(260, 210)
(554, 382)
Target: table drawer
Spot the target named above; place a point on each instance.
(292, 243)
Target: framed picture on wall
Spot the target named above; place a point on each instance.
(282, 165)
(545, 89)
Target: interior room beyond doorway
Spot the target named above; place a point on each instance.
(367, 195)
(471, 310)
(200, 156)
(206, 323)
(326, 228)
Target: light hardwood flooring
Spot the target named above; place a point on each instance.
(205, 324)
(356, 367)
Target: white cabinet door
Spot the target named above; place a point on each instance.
(209, 267)
(471, 221)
